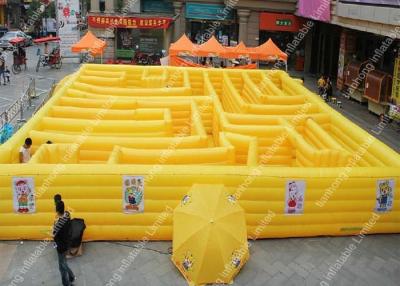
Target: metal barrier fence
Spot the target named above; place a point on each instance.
(15, 113)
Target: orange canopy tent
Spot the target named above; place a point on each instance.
(269, 51)
(183, 47)
(239, 51)
(211, 48)
(89, 43)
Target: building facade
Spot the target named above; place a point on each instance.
(231, 21)
(363, 34)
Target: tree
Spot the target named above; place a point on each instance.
(40, 9)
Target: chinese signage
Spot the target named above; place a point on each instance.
(129, 22)
(67, 17)
(315, 9)
(396, 81)
(133, 194)
(279, 22)
(208, 11)
(284, 22)
(294, 200)
(24, 195)
(392, 3)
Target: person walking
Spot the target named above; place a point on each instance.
(61, 239)
(328, 88)
(2, 68)
(321, 85)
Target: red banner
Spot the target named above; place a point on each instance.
(3, 2)
(129, 22)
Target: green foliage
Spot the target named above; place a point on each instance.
(34, 11)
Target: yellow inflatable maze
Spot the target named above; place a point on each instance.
(128, 142)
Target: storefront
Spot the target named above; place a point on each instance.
(134, 34)
(282, 29)
(367, 66)
(205, 20)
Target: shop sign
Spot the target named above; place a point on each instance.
(208, 11)
(157, 6)
(280, 22)
(125, 54)
(392, 3)
(283, 22)
(129, 22)
(315, 9)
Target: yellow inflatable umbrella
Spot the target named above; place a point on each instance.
(209, 236)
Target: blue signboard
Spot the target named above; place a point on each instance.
(208, 11)
(163, 6)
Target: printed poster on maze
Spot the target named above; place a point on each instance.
(23, 195)
(294, 199)
(133, 194)
(384, 195)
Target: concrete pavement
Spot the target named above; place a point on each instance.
(287, 262)
(44, 78)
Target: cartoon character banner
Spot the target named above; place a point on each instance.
(133, 194)
(294, 200)
(384, 195)
(24, 195)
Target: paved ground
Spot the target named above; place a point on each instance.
(302, 261)
(358, 113)
(44, 79)
(375, 262)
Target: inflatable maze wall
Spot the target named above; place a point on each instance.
(129, 142)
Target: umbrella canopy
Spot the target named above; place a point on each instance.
(46, 39)
(90, 43)
(269, 51)
(211, 48)
(209, 236)
(183, 46)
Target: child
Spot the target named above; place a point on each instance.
(6, 75)
(321, 85)
(24, 151)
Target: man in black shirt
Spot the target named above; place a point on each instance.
(61, 238)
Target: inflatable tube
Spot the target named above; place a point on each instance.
(255, 132)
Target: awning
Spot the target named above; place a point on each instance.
(103, 21)
(89, 43)
(46, 39)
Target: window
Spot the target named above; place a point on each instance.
(102, 5)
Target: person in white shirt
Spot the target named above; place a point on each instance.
(24, 151)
